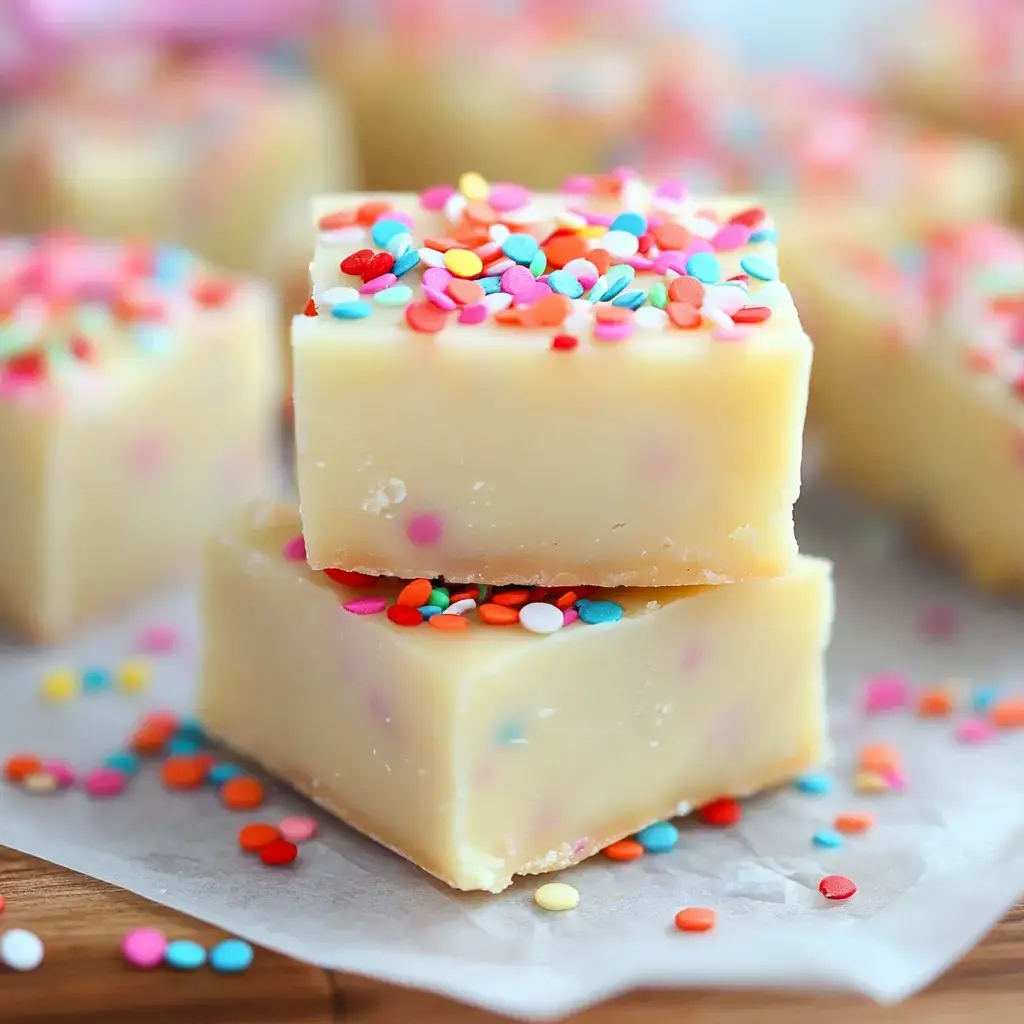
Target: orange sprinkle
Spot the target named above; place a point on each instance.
(19, 767)
(469, 594)
(671, 236)
(425, 317)
(696, 919)
(854, 821)
(151, 737)
(371, 211)
(415, 594)
(184, 772)
(601, 258)
(464, 291)
(563, 249)
(510, 317)
(550, 311)
(682, 314)
(442, 244)
(686, 289)
(935, 703)
(567, 600)
(879, 757)
(512, 598)
(241, 793)
(1008, 714)
(252, 837)
(624, 849)
(336, 220)
(606, 313)
(497, 614)
(449, 623)
(480, 212)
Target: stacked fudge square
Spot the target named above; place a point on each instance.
(543, 588)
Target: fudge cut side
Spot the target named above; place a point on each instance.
(602, 389)
(515, 731)
(916, 396)
(138, 399)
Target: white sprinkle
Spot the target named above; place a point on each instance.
(619, 243)
(568, 219)
(717, 317)
(342, 236)
(635, 195)
(498, 233)
(399, 244)
(21, 950)
(431, 257)
(454, 206)
(338, 296)
(595, 293)
(726, 298)
(497, 301)
(578, 323)
(683, 809)
(651, 318)
(467, 604)
(540, 617)
(529, 214)
(584, 271)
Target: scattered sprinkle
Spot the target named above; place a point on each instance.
(104, 782)
(660, 837)
(936, 703)
(870, 782)
(557, 896)
(887, 691)
(60, 685)
(836, 887)
(242, 793)
(184, 955)
(814, 783)
(696, 919)
(721, 813)
(231, 956)
(144, 948)
(827, 839)
(253, 837)
(974, 730)
(854, 822)
(624, 850)
(135, 674)
(21, 950)
(298, 828)
(278, 853)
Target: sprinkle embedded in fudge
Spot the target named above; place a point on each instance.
(596, 262)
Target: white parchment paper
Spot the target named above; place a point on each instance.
(945, 860)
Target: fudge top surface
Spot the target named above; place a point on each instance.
(608, 259)
(72, 309)
(271, 532)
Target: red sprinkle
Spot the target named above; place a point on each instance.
(351, 579)
(721, 813)
(310, 309)
(380, 263)
(751, 315)
(425, 317)
(278, 852)
(356, 262)
(836, 887)
(563, 343)
(401, 615)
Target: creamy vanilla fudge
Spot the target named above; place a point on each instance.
(918, 379)
(603, 387)
(485, 733)
(137, 403)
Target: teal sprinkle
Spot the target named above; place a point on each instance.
(510, 732)
(595, 293)
(440, 598)
(564, 283)
(14, 340)
(520, 248)
(538, 264)
(429, 610)
(396, 295)
(154, 339)
(764, 235)
(172, 266)
(94, 679)
(619, 278)
(660, 837)
(984, 697)
(633, 299)
(490, 285)
(352, 310)
(634, 223)
(231, 956)
(596, 612)
(814, 783)
(405, 262)
(184, 955)
(221, 772)
(385, 229)
(123, 761)
(827, 838)
(484, 592)
(93, 318)
(184, 745)
(760, 268)
(658, 295)
(188, 725)
(705, 267)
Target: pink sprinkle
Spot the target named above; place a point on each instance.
(425, 529)
(735, 333)
(148, 454)
(584, 271)
(439, 299)
(673, 191)
(528, 295)
(505, 197)
(516, 279)
(569, 616)
(732, 236)
(144, 948)
(161, 638)
(670, 260)
(436, 278)
(895, 780)
(105, 782)
(365, 605)
(938, 621)
(580, 845)
(487, 251)
(498, 267)
(61, 772)
(298, 828)
(295, 549)
(436, 196)
(402, 218)
(639, 262)
(579, 185)
(378, 284)
(699, 245)
(975, 730)
(593, 218)
(473, 314)
(887, 691)
(613, 331)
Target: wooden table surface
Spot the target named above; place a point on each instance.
(81, 922)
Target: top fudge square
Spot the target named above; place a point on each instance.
(605, 386)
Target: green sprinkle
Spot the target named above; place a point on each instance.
(658, 295)
(539, 263)
(396, 295)
(440, 598)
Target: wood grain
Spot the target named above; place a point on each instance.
(82, 922)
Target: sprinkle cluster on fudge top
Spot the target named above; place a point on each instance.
(69, 306)
(608, 257)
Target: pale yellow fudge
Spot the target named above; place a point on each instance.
(138, 402)
(483, 751)
(918, 379)
(605, 387)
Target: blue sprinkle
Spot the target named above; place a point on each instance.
(95, 679)
(184, 745)
(633, 299)
(490, 284)
(828, 838)
(619, 278)
(521, 248)
(405, 262)
(123, 761)
(385, 229)
(634, 223)
(189, 726)
(814, 783)
(429, 609)
(564, 283)
(660, 837)
(172, 266)
(985, 697)
(352, 310)
(595, 612)
(185, 955)
(581, 604)
(510, 732)
(221, 772)
(705, 267)
(156, 339)
(760, 268)
(764, 235)
(232, 956)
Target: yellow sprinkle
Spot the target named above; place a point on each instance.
(60, 685)
(592, 231)
(463, 262)
(474, 186)
(135, 674)
(870, 782)
(556, 896)
(40, 782)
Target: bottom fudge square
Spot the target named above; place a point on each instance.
(137, 406)
(540, 728)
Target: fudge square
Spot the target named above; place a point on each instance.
(137, 404)
(918, 380)
(606, 387)
(487, 733)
